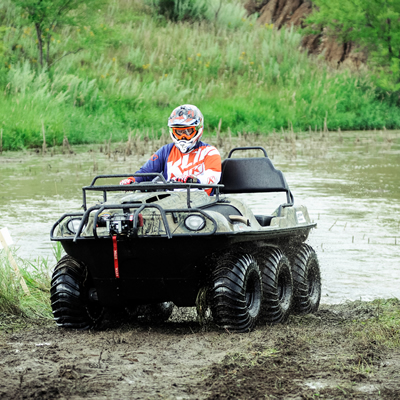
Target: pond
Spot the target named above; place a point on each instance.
(350, 182)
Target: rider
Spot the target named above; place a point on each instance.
(187, 159)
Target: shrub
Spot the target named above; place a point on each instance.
(181, 10)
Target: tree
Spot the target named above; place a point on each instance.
(49, 15)
(374, 24)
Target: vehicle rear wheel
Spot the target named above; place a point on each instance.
(277, 287)
(236, 293)
(307, 280)
(72, 307)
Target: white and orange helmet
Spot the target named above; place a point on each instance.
(186, 125)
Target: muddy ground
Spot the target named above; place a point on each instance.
(339, 352)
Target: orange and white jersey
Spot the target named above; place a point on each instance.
(204, 162)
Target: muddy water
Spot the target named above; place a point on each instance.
(350, 183)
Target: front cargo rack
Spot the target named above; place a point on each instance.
(158, 184)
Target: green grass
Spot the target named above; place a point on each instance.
(13, 299)
(384, 328)
(137, 67)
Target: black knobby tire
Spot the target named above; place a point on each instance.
(277, 287)
(236, 293)
(307, 280)
(69, 296)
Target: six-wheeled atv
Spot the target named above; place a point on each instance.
(159, 243)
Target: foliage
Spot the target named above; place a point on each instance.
(3, 64)
(227, 13)
(374, 24)
(138, 68)
(179, 10)
(48, 16)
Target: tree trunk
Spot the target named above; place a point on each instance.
(48, 50)
(40, 43)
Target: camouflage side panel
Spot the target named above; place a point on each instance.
(291, 217)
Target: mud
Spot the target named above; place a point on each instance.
(333, 353)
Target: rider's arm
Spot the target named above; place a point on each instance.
(156, 163)
(212, 167)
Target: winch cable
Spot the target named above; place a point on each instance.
(115, 253)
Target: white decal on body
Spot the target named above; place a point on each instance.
(300, 217)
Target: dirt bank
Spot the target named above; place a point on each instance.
(342, 351)
(288, 13)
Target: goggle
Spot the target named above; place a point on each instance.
(184, 133)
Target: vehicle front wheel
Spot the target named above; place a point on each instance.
(70, 302)
(307, 280)
(236, 293)
(277, 287)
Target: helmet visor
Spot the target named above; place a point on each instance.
(184, 133)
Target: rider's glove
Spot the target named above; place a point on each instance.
(128, 181)
(187, 179)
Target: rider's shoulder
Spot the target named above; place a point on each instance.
(208, 147)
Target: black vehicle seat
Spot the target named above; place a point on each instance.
(253, 175)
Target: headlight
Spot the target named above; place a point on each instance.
(195, 222)
(73, 224)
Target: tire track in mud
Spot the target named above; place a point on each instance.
(341, 351)
(136, 363)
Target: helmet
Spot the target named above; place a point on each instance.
(186, 125)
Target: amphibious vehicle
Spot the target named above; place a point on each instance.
(146, 247)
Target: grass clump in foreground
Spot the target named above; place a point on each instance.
(135, 67)
(14, 302)
(381, 328)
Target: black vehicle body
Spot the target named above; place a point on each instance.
(138, 247)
